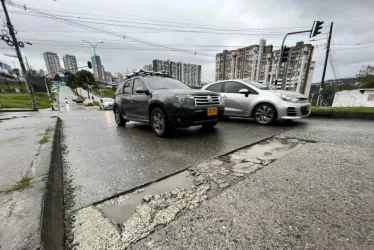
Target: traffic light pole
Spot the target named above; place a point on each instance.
(20, 58)
(324, 67)
(281, 52)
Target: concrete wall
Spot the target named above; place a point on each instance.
(354, 98)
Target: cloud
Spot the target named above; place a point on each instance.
(352, 22)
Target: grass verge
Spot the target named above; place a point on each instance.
(24, 182)
(22, 100)
(106, 92)
(45, 138)
(344, 109)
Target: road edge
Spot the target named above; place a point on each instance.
(52, 221)
(350, 115)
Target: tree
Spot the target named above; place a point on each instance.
(57, 77)
(80, 78)
(71, 81)
(366, 76)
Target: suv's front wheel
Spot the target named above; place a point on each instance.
(118, 117)
(159, 122)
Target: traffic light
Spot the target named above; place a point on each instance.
(89, 64)
(316, 28)
(285, 53)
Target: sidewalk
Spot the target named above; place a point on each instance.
(24, 165)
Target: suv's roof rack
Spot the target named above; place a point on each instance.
(141, 72)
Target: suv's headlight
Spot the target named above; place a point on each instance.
(186, 100)
(287, 98)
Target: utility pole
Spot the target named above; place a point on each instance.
(19, 55)
(326, 58)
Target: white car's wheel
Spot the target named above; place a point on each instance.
(265, 114)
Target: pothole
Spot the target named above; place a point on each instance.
(121, 208)
(133, 216)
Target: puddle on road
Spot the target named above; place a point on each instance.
(123, 211)
(273, 148)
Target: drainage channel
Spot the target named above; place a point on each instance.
(126, 219)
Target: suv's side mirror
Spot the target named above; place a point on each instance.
(141, 90)
(244, 92)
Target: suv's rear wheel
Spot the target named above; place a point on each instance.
(159, 122)
(118, 117)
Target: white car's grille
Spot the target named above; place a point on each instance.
(201, 100)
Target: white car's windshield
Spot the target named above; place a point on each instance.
(257, 85)
(108, 100)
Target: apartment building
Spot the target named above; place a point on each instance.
(52, 62)
(70, 63)
(260, 63)
(99, 72)
(148, 67)
(189, 74)
(119, 76)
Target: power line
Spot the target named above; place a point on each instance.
(206, 31)
(150, 19)
(155, 24)
(83, 26)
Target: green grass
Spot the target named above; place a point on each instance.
(45, 137)
(344, 109)
(106, 92)
(96, 103)
(22, 100)
(24, 182)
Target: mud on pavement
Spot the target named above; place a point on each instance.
(119, 222)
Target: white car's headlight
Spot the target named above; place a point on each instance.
(287, 98)
(186, 100)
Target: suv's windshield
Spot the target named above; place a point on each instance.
(257, 85)
(156, 82)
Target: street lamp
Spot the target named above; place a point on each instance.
(92, 45)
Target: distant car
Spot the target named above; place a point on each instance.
(106, 103)
(79, 100)
(74, 99)
(244, 98)
(88, 102)
(157, 99)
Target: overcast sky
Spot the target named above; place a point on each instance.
(353, 24)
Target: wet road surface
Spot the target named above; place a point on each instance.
(104, 160)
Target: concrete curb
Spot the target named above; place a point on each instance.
(351, 115)
(52, 221)
(17, 110)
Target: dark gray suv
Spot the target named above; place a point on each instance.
(164, 102)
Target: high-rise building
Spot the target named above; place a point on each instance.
(70, 63)
(119, 76)
(95, 60)
(148, 67)
(108, 77)
(260, 63)
(98, 68)
(99, 72)
(189, 74)
(52, 62)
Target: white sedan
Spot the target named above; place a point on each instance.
(244, 98)
(106, 103)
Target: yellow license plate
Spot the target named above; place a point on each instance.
(212, 111)
(307, 108)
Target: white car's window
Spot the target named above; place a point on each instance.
(215, 87)
(234, 87)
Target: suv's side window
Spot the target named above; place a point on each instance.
(127, 89)
(120, 88)
(234, 87)
(137, 84)
(215, 87)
